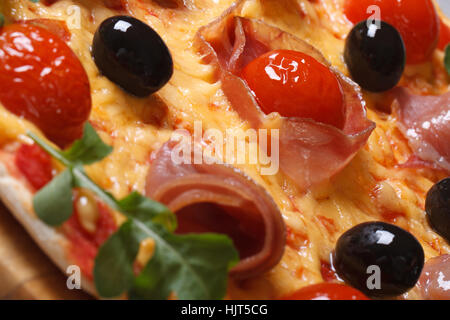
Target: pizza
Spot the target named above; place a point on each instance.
(250, 149)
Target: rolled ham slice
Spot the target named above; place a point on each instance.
(219, 198)
(434, 281)
(310, 152)
(425, 122)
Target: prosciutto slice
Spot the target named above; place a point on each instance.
(219, 198)
(434, 281)
(310, 152)
(425, 122)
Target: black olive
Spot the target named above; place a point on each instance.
(375, 57)
(437, 206)
(132, 55)
(396, 253)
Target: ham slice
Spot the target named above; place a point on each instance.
(425, 122)
(310, 152)
(434, 281)
(219, 198)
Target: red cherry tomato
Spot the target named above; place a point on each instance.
(296, 85)
(416, 20)
(43, 81)
(444, 35)
(35, 164)
(327, 291)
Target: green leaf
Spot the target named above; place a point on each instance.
(194, 266)
(49, 149)
(53, 203)
(89, 149)
(145, 209)
(81, 180)
(2, 20)
(133, 205)
(113, 269)
(447, 59)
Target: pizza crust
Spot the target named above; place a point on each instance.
(18, 199)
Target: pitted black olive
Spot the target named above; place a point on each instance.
(375, 56)
(381, 250)
(132, 55)
(437, 206)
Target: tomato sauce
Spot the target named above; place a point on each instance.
(35, 164)
(327, 272)
(328, 224)
(83, 245)
(296, 240)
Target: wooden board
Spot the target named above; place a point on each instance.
(25, 271)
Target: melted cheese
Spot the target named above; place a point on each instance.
(369, 188)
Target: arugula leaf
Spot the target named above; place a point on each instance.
(194, 266)
(447, 59)
(89, 149)
(81, 180)
(53, 203)
(133, 205)
(113, 268)
(85, 150)
(145, 209)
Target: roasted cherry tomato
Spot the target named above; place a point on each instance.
(327, 291)
(35, 164)
(43, 81)
(444, 35)
(416, 20)
(296, 85)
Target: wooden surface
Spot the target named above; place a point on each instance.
(25, 272)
